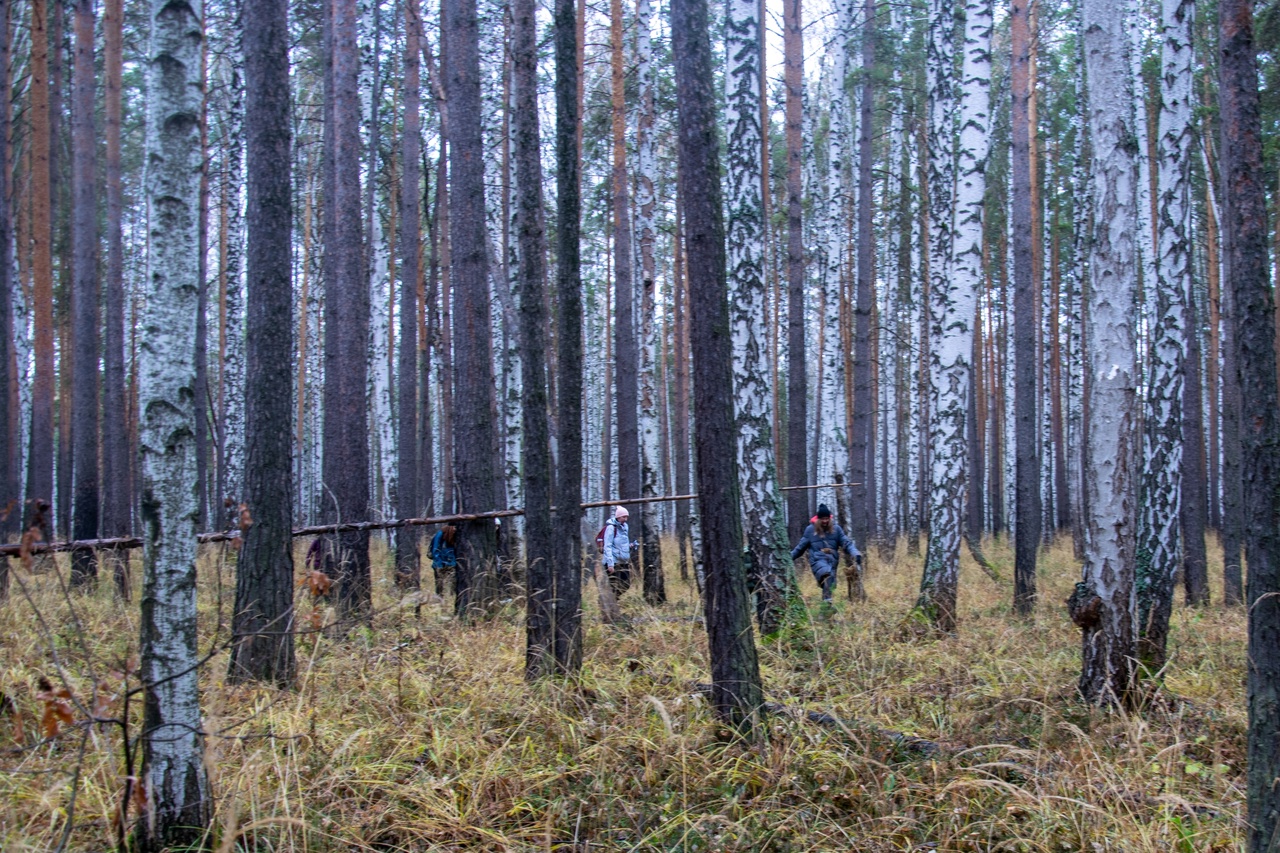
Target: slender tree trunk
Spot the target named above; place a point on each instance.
(408, 502)
(1195, 500)
(736, 692)
(10, 458)
(1159, 544)
(1103, 603)
(1026, 332)
(201, 389)
(40, 454)
(473, 356)
(262, 623)
(1244, 225)
(179, 805)
(626, 352)
(655, 587)
(346, 422)
(796, 473)
(84, 301)
(542, 602)
(766, 531)
(1213, 385)
(862, 468)
(116, 494)
(568, 488)
(681, 343)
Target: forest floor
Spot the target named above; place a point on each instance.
(421, 733)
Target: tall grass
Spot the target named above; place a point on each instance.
(421, 733)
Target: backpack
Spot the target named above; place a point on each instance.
(600, 536)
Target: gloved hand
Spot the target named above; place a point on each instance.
(858, 559)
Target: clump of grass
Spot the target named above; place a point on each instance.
(421, 733)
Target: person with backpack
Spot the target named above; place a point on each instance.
(616, 548)
(444, 555)
(824, 539)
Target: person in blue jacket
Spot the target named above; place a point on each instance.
(444, 555)
(618, 551)
(824, 539)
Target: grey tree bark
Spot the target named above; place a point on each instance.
(262, 623)
(797, 469)
(1244, 227)
(735, 671)
(542, 604)
(408, 502)
(178, 802)
(473, 346)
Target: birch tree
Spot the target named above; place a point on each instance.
(1103, 603)
(655, 591)
(178, 803)
(955, 278)
(1159, 545)
(765, 522)
(736, 692)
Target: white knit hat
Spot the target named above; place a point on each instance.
(620, 512)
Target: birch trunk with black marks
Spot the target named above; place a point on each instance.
(1103, 603)
(765, 520)
(178, 802)
(1159, 543)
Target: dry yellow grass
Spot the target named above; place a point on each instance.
(421, 734)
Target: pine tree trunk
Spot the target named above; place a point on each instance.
(626, 353)
(84, 300)
(1026, 333)
(116, 494)
(179, 806)
(40, 455)
(473, 354)
(765, 519)
(262, 621)
(1195, 500)
(1103, 602)
(543, 606)
(10, 434)
(408, 502)
(346, 323)
(568, 484)
(1244, 227)
(862, 468)
(736, 693)
(797, 473)
(680, 313)
(1159, 544)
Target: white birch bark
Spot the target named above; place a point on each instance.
(178, 806)
(832, 431)
(1160, 546)
(233, 368)
(381, 410)
(915, 312)
(951, 297)
(646, 238)
(765, 521)
(1103, 604)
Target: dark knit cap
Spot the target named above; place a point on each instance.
(824, 511)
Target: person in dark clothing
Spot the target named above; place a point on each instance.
(824, 539)
(444, 555)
